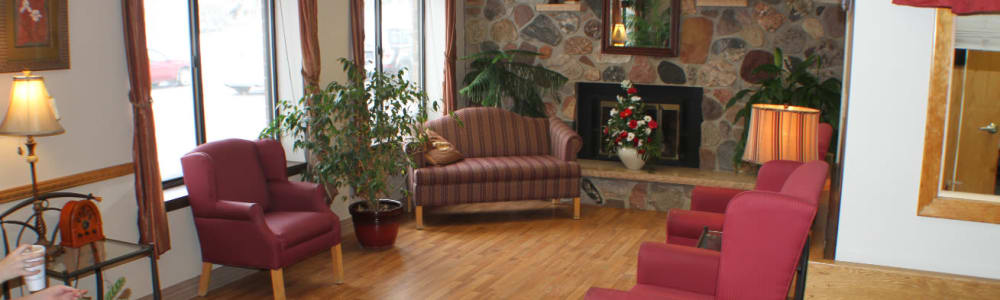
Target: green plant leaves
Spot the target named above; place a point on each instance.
(356, 132)
(496, 75)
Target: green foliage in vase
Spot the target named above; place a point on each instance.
(651, 27)
(790, 82)
(118, 289)
(496, 75)
(356, 132)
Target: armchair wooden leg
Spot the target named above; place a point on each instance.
(576, 208)
(338, 264)
(206, 274)
(278, 284)
(420, 217)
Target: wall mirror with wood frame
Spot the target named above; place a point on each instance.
(962, 145)
(641, 27)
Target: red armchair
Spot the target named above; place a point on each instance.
(248, 214)
(765, 233)
(804, 181)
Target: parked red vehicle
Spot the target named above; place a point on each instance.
(164, 71)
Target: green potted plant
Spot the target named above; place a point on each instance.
(789, 83)
(355, 134)
(496, 75)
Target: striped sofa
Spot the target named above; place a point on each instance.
(507, 157)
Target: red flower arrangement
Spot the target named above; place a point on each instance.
(628, 127)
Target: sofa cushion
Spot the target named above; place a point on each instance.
(297, 227)
(493, 169)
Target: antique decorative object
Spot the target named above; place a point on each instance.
(80, 223)
(31, 113)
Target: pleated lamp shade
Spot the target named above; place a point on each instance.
(618, 35)
(31, 111)
(780, 132)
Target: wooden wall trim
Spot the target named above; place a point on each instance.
(65, 182)
(843, 280)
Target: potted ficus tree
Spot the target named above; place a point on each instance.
(355, 133)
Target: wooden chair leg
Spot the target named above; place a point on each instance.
(206, 274)
(576, 208)
(420, 217)
(278, 284)
(338, 264)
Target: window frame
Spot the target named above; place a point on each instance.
(422, 33)
(271, 76)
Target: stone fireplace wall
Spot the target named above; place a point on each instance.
(720, 46)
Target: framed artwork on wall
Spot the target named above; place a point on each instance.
(34, 35)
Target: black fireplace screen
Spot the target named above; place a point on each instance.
(677, 109)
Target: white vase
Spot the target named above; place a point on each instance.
(631, 158)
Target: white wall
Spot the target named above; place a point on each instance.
(884, 150)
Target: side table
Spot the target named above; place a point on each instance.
(74, 263)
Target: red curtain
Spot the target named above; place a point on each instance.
(309, 34)
(358, 32)
(148, 186)
(450, 98)
(957, 6)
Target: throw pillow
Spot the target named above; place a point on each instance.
(441, 152)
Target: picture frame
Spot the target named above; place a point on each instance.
(34, 35)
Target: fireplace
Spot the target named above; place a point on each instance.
(676, 108)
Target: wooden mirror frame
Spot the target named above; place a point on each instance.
(673, 44)
(931, 203)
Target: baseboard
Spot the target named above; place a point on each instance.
(843, 280)
(223, 275)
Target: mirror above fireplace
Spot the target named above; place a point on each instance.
(641, 27)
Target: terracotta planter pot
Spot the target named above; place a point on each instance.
(377, 230)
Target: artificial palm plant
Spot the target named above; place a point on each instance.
(496, 75)
(791, 83)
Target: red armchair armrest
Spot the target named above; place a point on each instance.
(565, 142)
(678, 267)
(297, 196)
(235, 210)
(689, 223)
(712, 199)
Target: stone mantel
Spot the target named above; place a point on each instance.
(666, 174)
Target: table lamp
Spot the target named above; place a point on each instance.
(31, 113)
(782, 132)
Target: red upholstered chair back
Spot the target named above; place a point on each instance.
(763, 239)
(825, 136)
(492, 132)
(230, 170)
(807, 181)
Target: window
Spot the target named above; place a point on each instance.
(399, 34)
(212, 73)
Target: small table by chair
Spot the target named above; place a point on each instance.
(73, 263)
(710, 239)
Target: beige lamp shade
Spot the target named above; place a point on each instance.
(780, 132)
(31, 111)
(618, 35)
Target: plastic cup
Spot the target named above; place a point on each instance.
(35, 282)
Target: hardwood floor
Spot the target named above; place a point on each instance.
(514, 250)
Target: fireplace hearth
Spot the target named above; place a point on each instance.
(676, 108)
